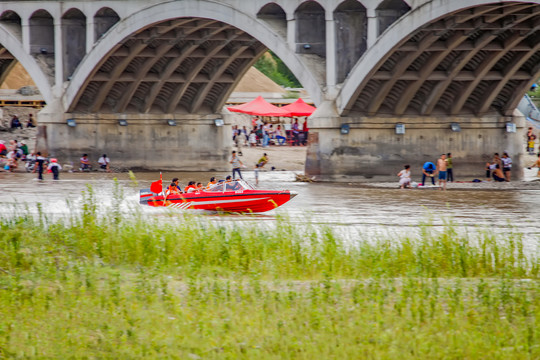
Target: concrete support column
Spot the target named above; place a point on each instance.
(372, 27)
(58, 56)
(90, 33)
(291, 33)
(25, 25)
(331, 71)
(147, 142)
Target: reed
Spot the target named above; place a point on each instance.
(102, 284)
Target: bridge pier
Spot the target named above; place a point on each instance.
(147, 142)
(373, 151)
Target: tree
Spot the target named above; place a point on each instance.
(272, 66)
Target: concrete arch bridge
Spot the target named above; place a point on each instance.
(166, 68)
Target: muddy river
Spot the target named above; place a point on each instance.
(360, 209)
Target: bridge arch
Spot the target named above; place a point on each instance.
(15, 48)
(128, 47)
(460, 57)
(104, 19)
(11, 20)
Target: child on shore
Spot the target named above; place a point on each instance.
(537, 165)
(55, 168)
(530, 141)
(252, 139)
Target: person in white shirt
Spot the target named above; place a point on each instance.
(279, 136)
(236, 164)
(104, 162)
(252, 139)
(55, 168)
(405, 177)
(507, 166)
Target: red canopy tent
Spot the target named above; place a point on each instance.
(260, 107)
(299, 108)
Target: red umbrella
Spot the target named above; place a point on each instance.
(299, 108)
(259, 107)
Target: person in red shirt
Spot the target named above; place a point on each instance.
(3, 149)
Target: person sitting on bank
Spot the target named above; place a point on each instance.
(104, 162)
(16, 123)
(405, 177)
(85, 163)
(498, 174)
(428, 170)
(12, 162)
(174, 188)
(30, 122)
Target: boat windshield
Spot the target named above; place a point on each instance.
(234, 185)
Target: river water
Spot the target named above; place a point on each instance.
(361, 209)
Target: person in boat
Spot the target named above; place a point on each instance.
(228, 182)
(199, 187)
(190, 187)
(212, 182)
(174, 188)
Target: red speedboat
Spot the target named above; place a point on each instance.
(234, 196)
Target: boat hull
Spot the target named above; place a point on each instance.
(245, 201)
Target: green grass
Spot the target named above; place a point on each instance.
(100, 284)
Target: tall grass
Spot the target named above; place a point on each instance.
(194, 245)
(101, 284)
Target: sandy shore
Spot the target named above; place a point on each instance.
(290, 158)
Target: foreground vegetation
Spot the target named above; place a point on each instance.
(112, 286)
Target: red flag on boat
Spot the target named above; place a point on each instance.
(157, 186)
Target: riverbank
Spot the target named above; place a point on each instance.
(292, 158)
(259, 290)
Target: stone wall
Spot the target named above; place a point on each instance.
(372, 150)
(147, 142)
